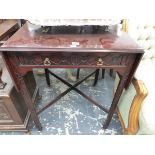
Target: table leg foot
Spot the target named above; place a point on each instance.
(39, 97)
(105, 125)
(40, 128)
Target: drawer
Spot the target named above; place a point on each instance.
(74, 59)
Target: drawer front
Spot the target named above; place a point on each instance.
(60, 59)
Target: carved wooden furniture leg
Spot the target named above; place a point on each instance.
(96, 77)
(111, 72)
(29, 103)
(47, 77)
(103, 73)
(115, 101)
(78, 72)
(137, 61)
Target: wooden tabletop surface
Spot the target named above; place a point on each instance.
(25, 40)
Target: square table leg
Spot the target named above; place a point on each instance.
(28, 100)
(116, 98)
(47, 77)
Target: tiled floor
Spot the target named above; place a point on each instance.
(73, 114)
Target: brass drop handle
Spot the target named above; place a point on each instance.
(99, 61)
(47, 62)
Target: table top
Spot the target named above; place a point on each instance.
(25, 40)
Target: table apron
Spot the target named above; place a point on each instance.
(71, 60)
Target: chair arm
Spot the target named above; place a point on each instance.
(132, 124)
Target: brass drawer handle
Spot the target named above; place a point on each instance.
(47, 62)
(99, 61)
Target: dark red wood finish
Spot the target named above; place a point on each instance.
(26, 50)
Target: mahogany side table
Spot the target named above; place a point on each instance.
(26, 50)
